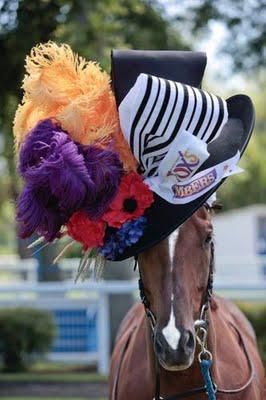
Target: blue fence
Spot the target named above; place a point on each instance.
(76, 330)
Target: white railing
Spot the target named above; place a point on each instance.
(16, 269)
(65, 295)
(235, 269)
(244, 291)
(13, 268)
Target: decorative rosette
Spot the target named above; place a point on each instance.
(79, 174)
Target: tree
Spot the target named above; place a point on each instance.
(106, 24)
(250, 187)
(245, 22)
(22, 25)
(92, 28)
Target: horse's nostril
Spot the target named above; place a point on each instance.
(191, 341)
(187, 342)
(171, 357)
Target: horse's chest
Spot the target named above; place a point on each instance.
(136, 384)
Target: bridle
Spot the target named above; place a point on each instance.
(201, 328)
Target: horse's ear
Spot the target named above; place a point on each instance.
(204, 213)
(216, 206)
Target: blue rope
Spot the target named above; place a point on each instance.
(205, 366)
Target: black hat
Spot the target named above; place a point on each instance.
(162, 111)
(119, 170)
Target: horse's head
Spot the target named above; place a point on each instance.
(175, 275)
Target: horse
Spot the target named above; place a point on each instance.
(159, 347)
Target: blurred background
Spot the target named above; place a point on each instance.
(55, 336)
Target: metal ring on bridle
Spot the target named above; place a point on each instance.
(202, 355)
(202, 336)
(203, 311)
(200, 323)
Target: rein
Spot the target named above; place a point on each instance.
(205, 356)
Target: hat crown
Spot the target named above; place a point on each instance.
(156, 110)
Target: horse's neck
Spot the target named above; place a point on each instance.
(180, 380)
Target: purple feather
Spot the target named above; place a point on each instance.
(62, 177)
(36, 147)
(50, 158)
(105, 170)
(37, 211)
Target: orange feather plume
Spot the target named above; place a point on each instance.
(61, 85)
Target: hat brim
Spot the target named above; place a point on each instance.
(163, 217)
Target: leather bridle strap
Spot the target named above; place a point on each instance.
(176, 396)
(146, 303)
(184, 395)
(151, 317)
(250, 365)
(205, 307)
(152, 320)
(221, 391)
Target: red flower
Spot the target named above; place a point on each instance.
(82, 229)
(133, 197)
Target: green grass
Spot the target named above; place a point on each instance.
(54, 372)
(51, 366)
(52, 377)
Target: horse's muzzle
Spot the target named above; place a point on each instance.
(175, 358)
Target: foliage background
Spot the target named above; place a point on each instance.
(36, 334)
(94, 27)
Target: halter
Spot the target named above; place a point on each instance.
(204, 356)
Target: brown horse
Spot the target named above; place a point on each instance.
(158, 353)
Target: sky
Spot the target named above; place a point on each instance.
(219, 67)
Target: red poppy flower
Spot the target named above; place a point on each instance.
(82, 229)
(133, 197)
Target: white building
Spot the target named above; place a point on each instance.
(240, 245)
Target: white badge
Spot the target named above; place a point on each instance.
(177, 192)
(186, 154)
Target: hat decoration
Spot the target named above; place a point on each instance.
(79, 174)
(168, 127)
(91, 172)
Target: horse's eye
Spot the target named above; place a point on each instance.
(208, 239)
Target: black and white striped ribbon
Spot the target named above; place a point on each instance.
(155, 110)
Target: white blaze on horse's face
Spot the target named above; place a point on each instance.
(175, 276)
(172, 245)
(171, 333)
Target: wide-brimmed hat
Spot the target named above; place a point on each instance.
(165, 118)
(118, 171)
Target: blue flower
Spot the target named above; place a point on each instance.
(117, 240)
(110, 247)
